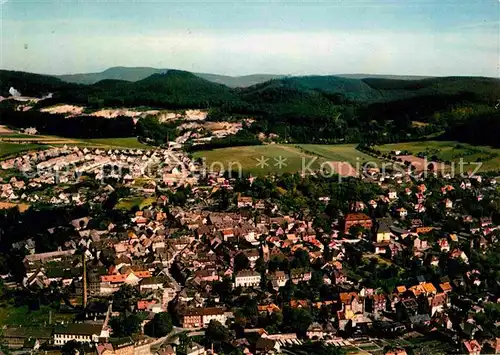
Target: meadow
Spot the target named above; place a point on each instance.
(135, 201)
(293, 157)
(250, 158)
(10, 149)
(451, 151)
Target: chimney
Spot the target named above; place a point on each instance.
(84, 281)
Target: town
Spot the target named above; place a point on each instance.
(140, 251)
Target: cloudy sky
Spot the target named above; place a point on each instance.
(412, 37)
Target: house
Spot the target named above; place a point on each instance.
(485, 221)
(252, 255)
(423, 230)
(268, 308)
(358, 206)
(338, 277)
(17, 337)
(402, 212)
(444, 245)
(278, 279)
(191, 318)
(383, 234)
(471, 347)
(267, 346)
(315, 331)
(420, 244)
(81, 332)
(357, 219)
(244, 201)
(300, 275)
(202, 316)
(122, 346)
(438, 303)
(111, 283)
(105, 349)
(379, 303)
(295, 304)
(213, 313)
(351, 303)
(247, 278)
(196, 349)
(459, 254)
(151, 284)
(396, 351)
(260, 205)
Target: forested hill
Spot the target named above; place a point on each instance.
(319, 109)
(29, 84)
(173, 89)
(483, 130)
(182, 86)
(139, 73)
(370, 90)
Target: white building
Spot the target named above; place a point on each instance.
(247, 278)
(84, 333)
(213, 313)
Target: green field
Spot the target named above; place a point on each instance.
(344, 153)
(8, 149)
(248, 159)
(451, 151)
(129, 142)
(22, 316)
(294, 156)
(130, 202)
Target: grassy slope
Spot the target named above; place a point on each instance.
(9, 149)
(345, 153)
(130, 142)
(295, 155)
(246, 157)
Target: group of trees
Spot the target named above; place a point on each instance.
(128, 323)
(150, 129)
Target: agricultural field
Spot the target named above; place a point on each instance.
(341, 153)
(9, 149)
(22, 316)
(128, 142)
(451, 151)
(293, 158)
(130, 202)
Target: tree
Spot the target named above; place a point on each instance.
(124, 298)
(184, 343)
(300, 259)
(216, 333)
(71, 348)
(260, 265)
(125, 325)
(241, 262)
(223, 288)
(297, 320)
(159, 326)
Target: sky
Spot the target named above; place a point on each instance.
(240, 37)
